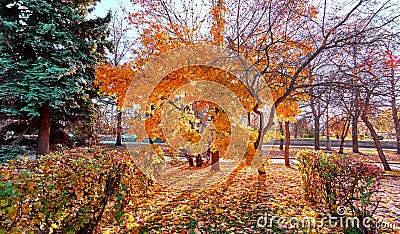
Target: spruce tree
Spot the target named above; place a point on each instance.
(48, 53)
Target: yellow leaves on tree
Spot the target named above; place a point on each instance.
(166, 93)
(384, 122)
(273, 41)
(188, 125)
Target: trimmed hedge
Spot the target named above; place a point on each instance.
(72, 191)
(335, 180)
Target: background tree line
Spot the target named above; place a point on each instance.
(338, 58)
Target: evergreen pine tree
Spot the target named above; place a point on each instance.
(48, 52)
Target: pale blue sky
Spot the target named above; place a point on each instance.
(102, 8)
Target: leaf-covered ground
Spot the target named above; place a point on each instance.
(389, 194)
(236, 204)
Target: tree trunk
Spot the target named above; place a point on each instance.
(295, 131)
(281, 132)
(258, 142)
(317, 145)
(397, 128)
(345, 130)
(199, 161)
(119, 128)
(376, 141)
(190, 160)
(354, 133)
(341, 148)
(257, 156)
(43, 145)
(328, 141)
(356, 102)
(317, 115)
(215, 160)
(393, 103)
(287, 144)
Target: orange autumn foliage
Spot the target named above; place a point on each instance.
(218, 23)
(161, 34)
(163, 93)
(114, 81)
(164, 25)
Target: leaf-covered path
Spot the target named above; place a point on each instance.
(236, 204)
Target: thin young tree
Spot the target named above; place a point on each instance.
(114, 77)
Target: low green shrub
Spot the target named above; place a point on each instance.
(335, 180)
(72, 191)
(9, 152)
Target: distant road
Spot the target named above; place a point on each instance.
(386, 145)
(394, 166)
(333, 147)
(265, 145)
(126, 143)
